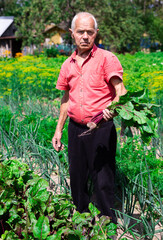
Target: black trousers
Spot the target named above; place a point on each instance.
(92, 156)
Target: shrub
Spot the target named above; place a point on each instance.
(51, 52)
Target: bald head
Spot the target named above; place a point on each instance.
(83, 15)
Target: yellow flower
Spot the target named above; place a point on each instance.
(8, 68)
(30, 69)
(41, 65)
(45, 74)
(7, 93)
(31, 81)
(29, 78)
(2, 74)
(8, 74)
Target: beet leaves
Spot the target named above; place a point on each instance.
(135, 111)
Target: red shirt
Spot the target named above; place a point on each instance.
(90, 90)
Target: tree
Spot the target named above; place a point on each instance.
(116, 19)
(11, 7)
(35, 15)
(121, 23)
(152, 18)
(69, 8)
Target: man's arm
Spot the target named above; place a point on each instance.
(120, 90)
(56, 140)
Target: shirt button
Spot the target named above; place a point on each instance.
(82, 120)
(80, 75)
(81, 105)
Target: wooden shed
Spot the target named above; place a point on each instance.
(9, 45)
(56, 34)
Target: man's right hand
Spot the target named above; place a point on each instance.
(56, 140)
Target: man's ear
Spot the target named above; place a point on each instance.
(70, 30)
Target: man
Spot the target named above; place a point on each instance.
(91, 78)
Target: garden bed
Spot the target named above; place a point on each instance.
(28, 117)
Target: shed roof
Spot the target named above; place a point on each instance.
(5, 22)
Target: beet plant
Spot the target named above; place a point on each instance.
(29, 211)
(135, 111)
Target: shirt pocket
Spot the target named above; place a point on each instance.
(97, 80)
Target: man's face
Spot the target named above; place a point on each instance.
(84, 33)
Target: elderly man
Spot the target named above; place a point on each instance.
(91, 78)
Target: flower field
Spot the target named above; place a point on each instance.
(28, 116)
(28, 76)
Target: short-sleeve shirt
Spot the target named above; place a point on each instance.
(90, 90)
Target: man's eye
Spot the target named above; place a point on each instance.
(81, 32)
(90, 33)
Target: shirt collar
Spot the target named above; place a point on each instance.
(92, 53)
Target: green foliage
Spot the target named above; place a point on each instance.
(5, 117)
(26, 132)
(154, 26)
(118, 27)
(137, 167)
(29, 211)
(51, 52)
(30, 76)
(37, 121)
(132, 159)
(121, 23)
(11, 7)
(35, 15)
(135, 111)
(143, 71)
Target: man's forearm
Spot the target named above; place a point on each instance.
(62, 119)
(119, 88)
(58, 146)
(63, 112)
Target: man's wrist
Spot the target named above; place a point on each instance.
(59, 130)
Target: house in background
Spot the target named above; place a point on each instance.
(9, 45)
(54, 34)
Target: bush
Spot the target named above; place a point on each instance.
(51, 52)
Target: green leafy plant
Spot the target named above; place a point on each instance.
(134, 111)
(29, 211)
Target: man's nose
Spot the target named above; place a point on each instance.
(85, 35)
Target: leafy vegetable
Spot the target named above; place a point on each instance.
(134, 111)
(29, 211)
